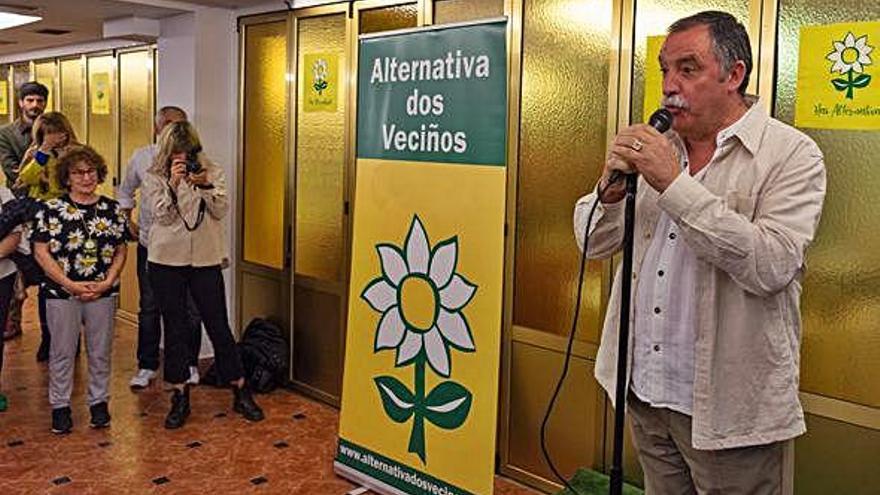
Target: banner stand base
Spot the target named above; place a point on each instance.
(365, 481)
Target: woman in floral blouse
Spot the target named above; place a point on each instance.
(79, 241)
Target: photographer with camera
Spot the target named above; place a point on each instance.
(187, 194)
(149, 326)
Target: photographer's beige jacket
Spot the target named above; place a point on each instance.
(749, 222)
(170, 243)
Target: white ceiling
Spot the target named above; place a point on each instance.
(84, 18)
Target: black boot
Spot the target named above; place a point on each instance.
(179, 409)
(244, 404)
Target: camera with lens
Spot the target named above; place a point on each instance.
(192, 161)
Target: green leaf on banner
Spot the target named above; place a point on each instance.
(840, 84)
(861, 81)
(397, 400)
(448, 405)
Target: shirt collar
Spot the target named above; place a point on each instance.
(748, 128)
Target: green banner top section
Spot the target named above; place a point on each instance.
(436, 95)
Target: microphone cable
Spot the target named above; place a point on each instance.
(577, 310)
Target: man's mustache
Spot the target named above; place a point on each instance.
(677, 101)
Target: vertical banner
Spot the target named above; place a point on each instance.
(420, 389)
(99, 87)
(321, 73)
(4, 97)
(838, 84)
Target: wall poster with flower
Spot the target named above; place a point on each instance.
(420, 386)
(838, 85)
(320, 71)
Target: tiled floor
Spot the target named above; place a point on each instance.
(290, 452)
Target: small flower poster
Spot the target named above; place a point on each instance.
(838, 85)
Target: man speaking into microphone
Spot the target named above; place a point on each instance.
(728, 201)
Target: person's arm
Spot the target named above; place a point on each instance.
(9, 244)
(762, 254)
(8, 158)
(606, 231)
(125, 192)
(30, 172)
(157, 191)
(216, 200)
(53, 271)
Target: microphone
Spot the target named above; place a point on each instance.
(661, 120)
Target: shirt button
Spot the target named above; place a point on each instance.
(672, 235)
(648, 235)
(657, 347)
(660, 273)
(656, 311)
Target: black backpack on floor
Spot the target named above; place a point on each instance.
(265, 355)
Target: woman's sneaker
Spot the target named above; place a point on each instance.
(193, 376)
(61, 421)
(100, 415)
(142, 378)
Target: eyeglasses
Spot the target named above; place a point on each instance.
(83, 173)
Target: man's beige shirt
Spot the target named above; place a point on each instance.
(170, 243)
(749, 222)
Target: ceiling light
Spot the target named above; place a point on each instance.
(9, 20)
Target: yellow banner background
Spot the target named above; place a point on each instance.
(653, 76)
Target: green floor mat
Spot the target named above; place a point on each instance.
(588, 482)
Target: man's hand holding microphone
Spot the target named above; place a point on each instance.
(640, 149)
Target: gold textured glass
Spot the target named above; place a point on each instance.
(566, 48)
(44, 73)
(840, 354)
(21, 73)
(652, 19)
(136, 105)
(136, 102)
(265, 135)
(72, 92)
(320, 154)
(102, 131)
(447, 11)
(389, 18)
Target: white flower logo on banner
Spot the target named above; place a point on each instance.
(850, 56)
(421, 297)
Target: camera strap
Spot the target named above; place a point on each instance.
(199, 217)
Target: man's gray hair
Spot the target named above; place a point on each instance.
(163, 113)
(730, 41)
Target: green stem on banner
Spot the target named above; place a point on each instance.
(417, 437)
(849, 87)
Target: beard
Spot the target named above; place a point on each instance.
(33, 113)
